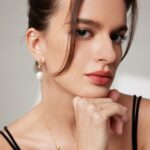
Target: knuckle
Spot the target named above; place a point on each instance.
(123, 109)
(110, 100)
(91, 107)
(117, 107)
(96, 117)
(99, 107)
(104, 116)
(99, 118)
(82, 103)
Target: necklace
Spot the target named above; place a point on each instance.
(50, 131)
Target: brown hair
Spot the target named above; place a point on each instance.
(40, 12)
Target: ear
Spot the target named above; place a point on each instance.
(34, 44)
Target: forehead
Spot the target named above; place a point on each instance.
(107, 12)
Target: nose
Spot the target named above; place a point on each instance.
(104, 50)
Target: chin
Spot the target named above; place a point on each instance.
(100, 92)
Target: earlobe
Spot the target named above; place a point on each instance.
(33, 41)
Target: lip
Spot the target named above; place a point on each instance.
(101, 77)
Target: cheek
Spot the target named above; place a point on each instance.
(118, 61)
(81, 57)
(119, 54)
(56, 51)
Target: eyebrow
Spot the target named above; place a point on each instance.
(97, 25)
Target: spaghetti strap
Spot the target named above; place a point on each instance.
(10, 140)
(135, 112)
(11, 137)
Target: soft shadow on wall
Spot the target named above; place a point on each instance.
(133, 76)
(18, 85)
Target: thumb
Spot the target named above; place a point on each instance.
(114, 95)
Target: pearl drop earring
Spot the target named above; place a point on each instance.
(39, 74)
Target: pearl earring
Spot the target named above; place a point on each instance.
(39, 74)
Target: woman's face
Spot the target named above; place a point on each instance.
(100, 30)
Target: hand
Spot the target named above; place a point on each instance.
(94, 118)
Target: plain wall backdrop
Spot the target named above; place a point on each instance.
(19, 89)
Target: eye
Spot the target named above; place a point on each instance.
(83, 33)
(118, 38)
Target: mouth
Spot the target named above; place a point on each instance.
(100, 78)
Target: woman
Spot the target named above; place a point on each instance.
(77, 46)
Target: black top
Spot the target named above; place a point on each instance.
(10, 139)
(135, 112)
(135, 109)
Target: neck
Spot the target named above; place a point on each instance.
(57, 107)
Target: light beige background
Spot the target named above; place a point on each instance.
(18, 85)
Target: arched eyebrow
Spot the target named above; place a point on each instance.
(97, 25)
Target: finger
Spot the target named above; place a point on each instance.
(78, 101)
(114, 110)
(116, 125)
(114, 95)
(98, 100)
(110, 105)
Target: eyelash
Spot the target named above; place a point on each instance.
(121, 39)
(113, 37)
(79, 31)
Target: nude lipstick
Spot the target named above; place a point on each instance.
(101, 78)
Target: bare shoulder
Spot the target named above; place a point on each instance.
(143, 119)
(144, 123)
(26, 131)
(4, 144)
(144, 109)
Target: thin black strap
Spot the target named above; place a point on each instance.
(8, 140)
(11, 137)
(136, 118)
(134, 146)
(135, 112)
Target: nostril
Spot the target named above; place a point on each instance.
(102, 59)
(109, 58)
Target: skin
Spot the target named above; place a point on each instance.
(60, 107)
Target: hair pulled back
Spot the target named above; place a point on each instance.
(41, 11)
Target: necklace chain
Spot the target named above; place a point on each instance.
(50, 131)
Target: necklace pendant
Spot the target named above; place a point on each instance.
(58, 147)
